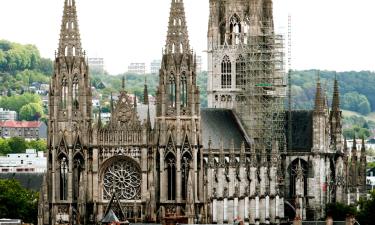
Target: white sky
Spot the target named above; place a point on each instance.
(327, 34)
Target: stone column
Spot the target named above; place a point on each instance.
(214, 211)
(144, 172)
(70, 176)
(53, 173)
(178, 176)
(246, 209)
(235, 207)
(163, 181)
(225, 210)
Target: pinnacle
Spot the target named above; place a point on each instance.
(70, 40)
(177, 36)
(319, 97)
(336, 96)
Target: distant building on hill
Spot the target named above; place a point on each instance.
(7, 115)
(29, 162)
(96, 65)
(23, 129)
(137, 68)
(155, 66)
(199, 64)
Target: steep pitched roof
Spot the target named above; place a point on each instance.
(221, 125)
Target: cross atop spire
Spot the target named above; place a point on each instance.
(177, 36)
(70, 40)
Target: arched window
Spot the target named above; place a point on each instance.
(240, 72)
(172, 91)
(171, 168)
(183, 90)
(226, 73)
(78, 168)
(75, 92)
(64, 92)
(63, 178)
(235, 30)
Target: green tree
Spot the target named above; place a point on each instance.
(339, 211)
(17, 145)
(366, 214)
(356, 102)
(31, 112)
(17, 202)
(4, 147)
(39, 145)
(16, 102)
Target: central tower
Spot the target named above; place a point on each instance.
(245, 67)
(179, 155)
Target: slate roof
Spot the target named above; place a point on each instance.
(302, 131)
(221, 124)
(110, 217)
(142, 113)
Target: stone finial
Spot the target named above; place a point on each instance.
(70, 40)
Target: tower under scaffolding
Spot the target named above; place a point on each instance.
(262, 109)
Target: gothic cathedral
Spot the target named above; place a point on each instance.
(243, 158)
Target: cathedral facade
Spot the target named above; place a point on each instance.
(243, 158)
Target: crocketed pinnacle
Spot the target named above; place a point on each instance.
(363, 147)
(70, 40)
(319, 97)
(336, 97)
(177, 36)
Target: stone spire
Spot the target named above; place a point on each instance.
(177, 36)
(112, 107)
(354, 147)
(363, 148)
(336, 96)
(123, 83)
(145, 94)
(319, 97)
(345, 145)
(100, 124)
(70, 40)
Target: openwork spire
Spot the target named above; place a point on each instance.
(319, 97)
(70, 40)
(336, 96)
(177, 36)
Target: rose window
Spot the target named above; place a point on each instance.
(123, 177)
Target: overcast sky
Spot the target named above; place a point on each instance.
(327, 34)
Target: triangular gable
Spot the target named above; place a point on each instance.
(115, 201)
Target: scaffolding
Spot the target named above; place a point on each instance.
(262, 110)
